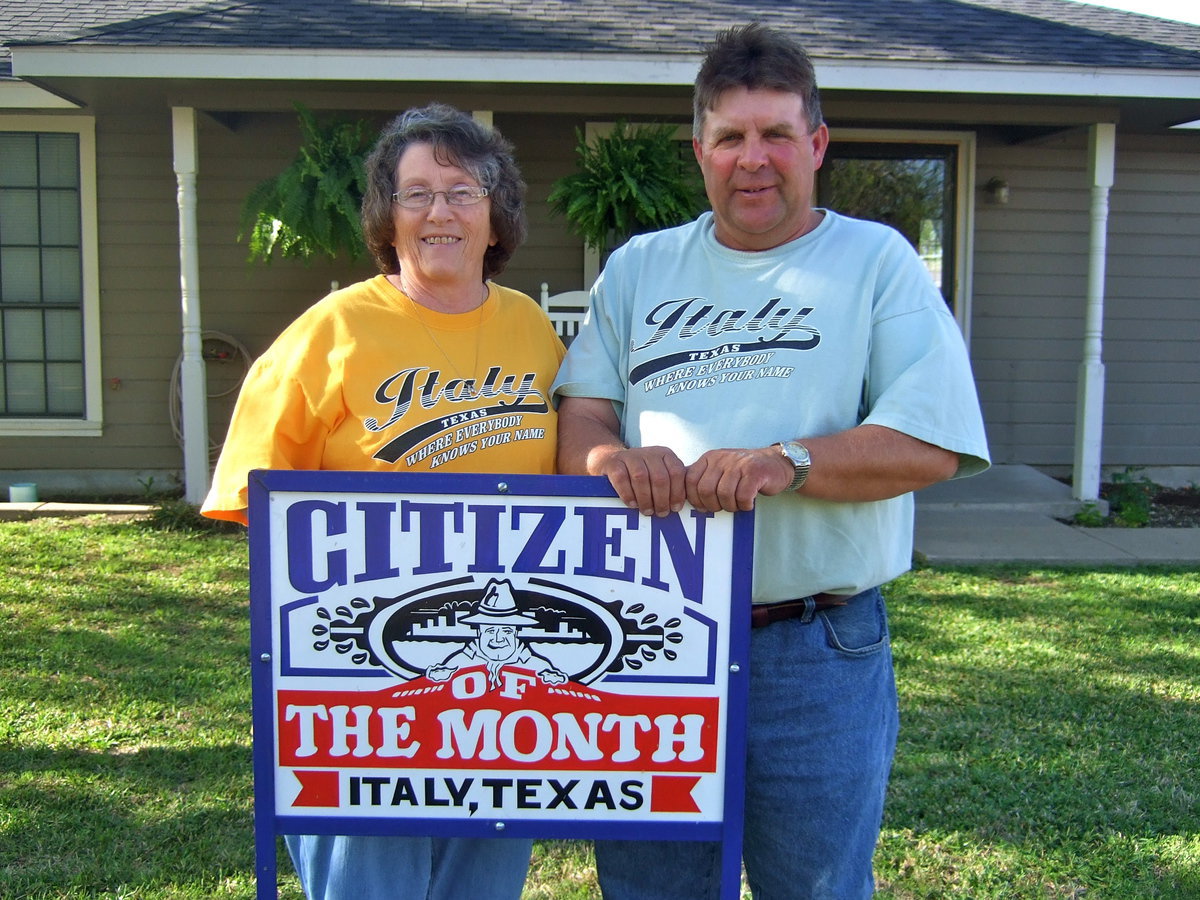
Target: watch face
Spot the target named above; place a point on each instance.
(796, 452)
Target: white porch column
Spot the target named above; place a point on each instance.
(193, 391)
(1089, 405)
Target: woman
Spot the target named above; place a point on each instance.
(380, 376)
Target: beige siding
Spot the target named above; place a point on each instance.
(1030, 292)
(139, 273)
(250, 302)
(1152, 317)
(1030, 278)
(545, 151)
(1029, 283)
(139, 287)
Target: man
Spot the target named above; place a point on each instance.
(496, 644)
(784, 358)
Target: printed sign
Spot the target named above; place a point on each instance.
(494, 655)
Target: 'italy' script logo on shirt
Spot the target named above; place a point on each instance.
(498, 397)
(737, 331)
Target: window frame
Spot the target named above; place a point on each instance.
(91, 422)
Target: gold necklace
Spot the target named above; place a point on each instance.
(470, 388)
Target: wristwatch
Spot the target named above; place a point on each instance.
(797, 455)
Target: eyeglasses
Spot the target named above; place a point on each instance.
(422, 198)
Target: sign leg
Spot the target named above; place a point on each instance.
(265, 857)
(731, 862)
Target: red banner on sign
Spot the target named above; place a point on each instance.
(317, 789)
(673, 793)
(473, 722)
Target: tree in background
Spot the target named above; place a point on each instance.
(906, 194)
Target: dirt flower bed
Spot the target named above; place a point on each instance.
(1135, 503)
(1175, 508)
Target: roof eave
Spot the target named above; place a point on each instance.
(1010, 80)
(962, 77)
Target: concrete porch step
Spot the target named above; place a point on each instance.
(1005, 489)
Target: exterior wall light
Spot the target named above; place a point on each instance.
(997, 190)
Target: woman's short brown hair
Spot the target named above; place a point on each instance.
(456, 139)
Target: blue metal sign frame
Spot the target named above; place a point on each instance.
(304, 509)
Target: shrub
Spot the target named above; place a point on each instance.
(1131, 497)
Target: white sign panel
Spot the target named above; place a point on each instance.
(475, 654)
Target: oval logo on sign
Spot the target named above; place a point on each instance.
(559, 633)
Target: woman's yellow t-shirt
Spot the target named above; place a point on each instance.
(367, 380)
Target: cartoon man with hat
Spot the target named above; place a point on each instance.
(496, 645)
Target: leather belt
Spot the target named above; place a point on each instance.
(762, 614)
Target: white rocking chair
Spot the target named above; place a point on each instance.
(566, 311)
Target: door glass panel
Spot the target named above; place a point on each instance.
(20, 275)
(25, 388)
(60, 218)
(907, 186)
(23, 335)
(64, 388)
(58, 160)
(18, 216)
(64, 335)
(62, 275)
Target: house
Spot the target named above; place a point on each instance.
(1068, 242)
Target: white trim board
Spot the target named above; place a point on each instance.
(578, 68)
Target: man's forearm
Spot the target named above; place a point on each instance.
(587, 434)
(649, 479)
(871, 462)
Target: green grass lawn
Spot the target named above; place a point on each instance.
(1049, 739)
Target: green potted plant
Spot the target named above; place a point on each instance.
(628, 182)
(312, 206)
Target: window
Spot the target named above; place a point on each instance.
(48, 328)
(906, 188)
(920, 184)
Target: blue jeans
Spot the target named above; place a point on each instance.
(822, 731)
(377, 867)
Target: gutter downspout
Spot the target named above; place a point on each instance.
(1089, 405)
(193, 390)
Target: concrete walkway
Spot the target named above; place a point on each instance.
(19, 512)
(1007, 514)
(1010, 514)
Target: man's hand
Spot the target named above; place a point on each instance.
(730, 479)
(653, 480)
(648, 479)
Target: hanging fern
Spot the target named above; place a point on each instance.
(628, 182)
(312, 207)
